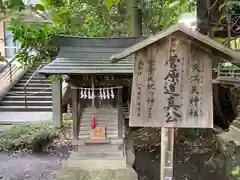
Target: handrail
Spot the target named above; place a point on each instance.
(8, 64)
(25, 85)
(8, 71)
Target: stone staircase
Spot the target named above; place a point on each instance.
(111, 148)
(39, 98)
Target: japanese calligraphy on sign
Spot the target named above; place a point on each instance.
(171, 80)
(140, 65)
(151, 86)
(172, 85)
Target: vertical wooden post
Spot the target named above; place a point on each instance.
(75, 112)
(229, 29)
(120, 118)
(209, 10)
(218, 70)
(167, 148)
(93, 103)
(57, 103)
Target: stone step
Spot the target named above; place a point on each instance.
(99, 155)
(113, 141)
(100, 114)
(100, 110)
(29, 88)
(32, 93)
(34, 77)
(109, 133)
(23, 108)
(111, 122)
(101, 118)
(99, 148)
(108, 128)
(35, 81)
(236, 123)
(32, 70)
(96, 164)
(86, 122)
(29, 98)
(29, 103)
(34, 85)
(87, 136)
(28, 73)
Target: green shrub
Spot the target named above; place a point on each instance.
(34, 136)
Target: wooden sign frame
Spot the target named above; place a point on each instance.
(172, 85)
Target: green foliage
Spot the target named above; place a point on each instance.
(36, 42)
(27, 136)
(3, 59)
(161, 14)
(229, 5)
(92, 18)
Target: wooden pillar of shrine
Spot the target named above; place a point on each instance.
(75, 112)
(57, 103)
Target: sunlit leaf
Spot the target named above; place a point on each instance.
(39, 7)
(109, 3)
(236, 172)
(222, 17)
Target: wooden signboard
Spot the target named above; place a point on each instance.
(98, 133)
(172, 85)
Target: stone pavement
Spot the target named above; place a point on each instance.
(7, 118)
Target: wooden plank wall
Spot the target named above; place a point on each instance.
(172, 85)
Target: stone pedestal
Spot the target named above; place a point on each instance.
(228, 158)
(236, 122)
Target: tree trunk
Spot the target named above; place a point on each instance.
(135, 15)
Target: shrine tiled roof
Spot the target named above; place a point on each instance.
(81, 55)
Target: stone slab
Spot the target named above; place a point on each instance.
(233, 135)
(104, 174)
(8, 118)
(95, 164)
(228, 158)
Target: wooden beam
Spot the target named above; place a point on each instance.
(101, 83)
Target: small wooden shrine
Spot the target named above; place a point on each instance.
(172, 80)
(100, 91)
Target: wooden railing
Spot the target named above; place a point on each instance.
(228, 73)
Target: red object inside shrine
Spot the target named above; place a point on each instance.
(93, 122)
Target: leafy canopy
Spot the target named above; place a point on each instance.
(84, 18)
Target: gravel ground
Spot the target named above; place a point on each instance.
(28, 167)
(191, 159)
(186, 167)
(43, 167)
